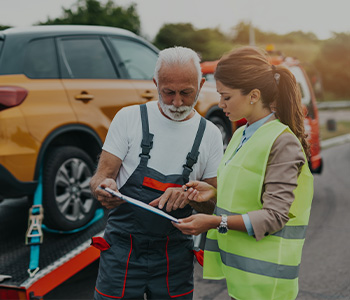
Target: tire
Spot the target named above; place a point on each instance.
(67, 199)
(225, 131)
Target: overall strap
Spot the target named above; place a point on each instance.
(192, 156)
(147, 138)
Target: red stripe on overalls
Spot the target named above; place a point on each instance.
(157, 185)
(126, 273)
(167, 274)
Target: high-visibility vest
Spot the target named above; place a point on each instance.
(266, 269)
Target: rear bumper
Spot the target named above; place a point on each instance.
(316, 164)
(10, 187)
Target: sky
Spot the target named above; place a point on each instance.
(322, 17)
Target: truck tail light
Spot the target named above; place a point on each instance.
(11, 96)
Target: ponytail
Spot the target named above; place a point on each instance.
(288, 104)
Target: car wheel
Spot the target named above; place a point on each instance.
(67, 199)
(225, 132)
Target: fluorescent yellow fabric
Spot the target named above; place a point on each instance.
(267, 269)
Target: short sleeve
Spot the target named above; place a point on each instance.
(116, 141)
(215, 152)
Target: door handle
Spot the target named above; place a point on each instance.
(84, 96)
(148, 95)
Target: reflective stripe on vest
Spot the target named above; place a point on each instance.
(267, 269)
(253, 265)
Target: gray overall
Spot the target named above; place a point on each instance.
(147, 254)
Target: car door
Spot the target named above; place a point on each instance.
(95, 87)
(138, 59)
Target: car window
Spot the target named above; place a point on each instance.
(304, 88)
(85, 58)
(137, 58)
(209, 77)
(40, 59)
(305, 92)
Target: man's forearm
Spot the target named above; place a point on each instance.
(108, 167)
(95, 182)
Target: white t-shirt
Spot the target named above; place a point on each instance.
(172, 142)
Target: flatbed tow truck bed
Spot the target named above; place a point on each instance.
(61, 255)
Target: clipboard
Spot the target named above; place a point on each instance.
(140, 204)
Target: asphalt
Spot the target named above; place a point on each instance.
(338, 140)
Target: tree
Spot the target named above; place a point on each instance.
(3, 27)
(209, 43)
(334, 64)
(241, 33)
(92, 12)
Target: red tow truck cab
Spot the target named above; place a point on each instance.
(311, 121)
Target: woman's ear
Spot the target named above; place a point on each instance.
(255, 95)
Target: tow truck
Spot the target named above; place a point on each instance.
(61, 255)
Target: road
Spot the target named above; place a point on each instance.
(324, 272)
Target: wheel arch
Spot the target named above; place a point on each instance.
(77, 135)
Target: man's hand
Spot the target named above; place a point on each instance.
(106, 199)
(106, 173)
(174, 198)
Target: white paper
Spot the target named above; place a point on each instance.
(141, 204)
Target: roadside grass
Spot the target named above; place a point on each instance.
(341, 128)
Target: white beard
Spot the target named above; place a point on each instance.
(176, 113)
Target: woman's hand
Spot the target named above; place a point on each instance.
(198, 223)
(199, 191)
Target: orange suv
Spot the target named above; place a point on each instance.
(311, 122)
(60, 87)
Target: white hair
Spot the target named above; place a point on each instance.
(178, 56)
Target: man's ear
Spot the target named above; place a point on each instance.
(155, 82)
(202, 82)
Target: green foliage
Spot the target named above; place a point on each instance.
(329, 60)
(333, 62)
(242, 30)
(92, 12)
(3, 27)
(306, 53)
(241, 33)
(209, 43)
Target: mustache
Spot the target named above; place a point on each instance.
(178, 109)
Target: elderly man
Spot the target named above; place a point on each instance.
(150, 151)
